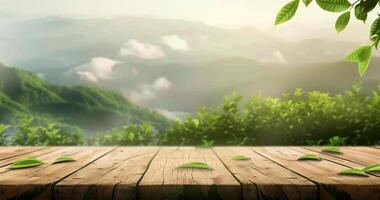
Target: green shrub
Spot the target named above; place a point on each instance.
(31, 132)
(128, 135)
(296, 118)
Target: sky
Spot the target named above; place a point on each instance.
(308, 23)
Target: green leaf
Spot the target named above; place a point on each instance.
(372, 168)
(287, 12)
(331, 149)
(354, 172)
(342, 21)
(375, 27)
(310, 157)
(26, 163)
(307, 2)
(64, 159)
(334, 5)
(195, 165)
(360, 13)
(241, 157)
(362, 56)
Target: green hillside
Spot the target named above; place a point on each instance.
(91, 108)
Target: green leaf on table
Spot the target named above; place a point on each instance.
(331, 149)
(307, 2)
(195, 165)
(310, 157)
(372, 168)
(241, 157)
(26, 163)
(342, 21)
(287, 12)
(353, 172)
(63, 159)
(362, 56)
(334, 5)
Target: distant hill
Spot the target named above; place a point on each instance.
(22, 92)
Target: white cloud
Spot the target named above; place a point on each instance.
(87, 76)
(276, 58)
(161, 84)
(148, 92)
(176, 43)
(141, 50)
(98, 68)
(174, 115)
(41, 75)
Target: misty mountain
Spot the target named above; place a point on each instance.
(21, 92)
(175, 66)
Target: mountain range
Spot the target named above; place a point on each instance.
(94, 109)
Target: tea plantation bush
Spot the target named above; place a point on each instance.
(298, 118)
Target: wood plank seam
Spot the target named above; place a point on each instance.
(138, 182)
(316, 183)
(56, 182)
(241, 184)
(31, 151)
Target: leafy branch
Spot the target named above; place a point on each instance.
(360, 9)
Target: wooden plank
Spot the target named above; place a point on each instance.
(163, 180)
(325, 173)
(37, 182)
(113, 176)
(361, 155)
(9, 152)
(262, 178)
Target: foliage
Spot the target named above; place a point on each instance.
(33, 132)
(3, 137)
(128, 135)
(297, 118)
(360, 9)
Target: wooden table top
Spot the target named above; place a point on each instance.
(152, 173)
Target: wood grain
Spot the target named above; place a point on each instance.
(163, 180)
(9, 152)
(262, 178)
(325, 173)
(113, 176)
(37, 182)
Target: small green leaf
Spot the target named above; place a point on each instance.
(362, 56)
(195, 165)
(26, 163)
(287, 12)
(64, 159)
(372, 168)
(342, 21)
(354, 172)
(307, 2)
(310, 157)
(331, 149)
(241, 157)
(334, 5)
